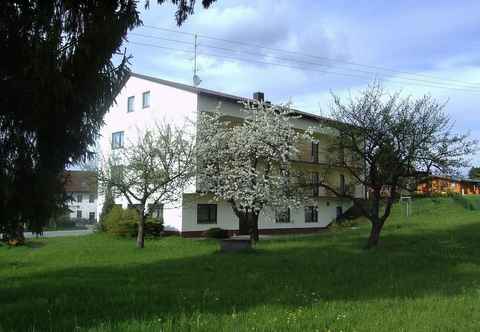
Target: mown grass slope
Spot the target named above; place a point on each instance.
(425, 276)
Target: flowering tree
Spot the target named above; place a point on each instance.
(155, 169)
(248, 164)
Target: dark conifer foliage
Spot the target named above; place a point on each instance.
(57, 80)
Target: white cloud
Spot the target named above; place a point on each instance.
(433, 39)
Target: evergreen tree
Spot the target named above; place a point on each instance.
(107, 206)
(474, 173)
(58, 80)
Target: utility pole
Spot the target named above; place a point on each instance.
(196, 78)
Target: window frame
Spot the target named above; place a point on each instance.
(79, 198)
(279, 213)
(209, 220)
(313, 213)
(131, 107)
(91, 198)
(121, 142)
(90, 216)
(146, 93)
(314, 152)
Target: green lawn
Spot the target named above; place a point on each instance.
(424, 277)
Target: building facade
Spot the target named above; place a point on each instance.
(81, 188)
(146, 100)
(448, 184)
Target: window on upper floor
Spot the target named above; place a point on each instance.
(146, 99)
(314, 152)
(282, 215)
(206, 213)
(131, 104)
(91, 198)
(311, 214)
(342, 184)
(117, 140)
(79, 198)
(79, 214)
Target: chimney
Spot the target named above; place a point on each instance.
(259, 96)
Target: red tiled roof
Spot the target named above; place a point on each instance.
(80, 181)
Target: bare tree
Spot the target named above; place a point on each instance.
(385, 143)
(153, 170)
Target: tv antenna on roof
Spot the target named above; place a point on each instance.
(196, 78)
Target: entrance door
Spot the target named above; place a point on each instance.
(243, 226)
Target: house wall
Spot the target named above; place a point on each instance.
(230, 108)
(174, 105)
(226, 218)
(85, 206)
(444, 185)
(168, 105)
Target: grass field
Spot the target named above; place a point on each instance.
(425, 276)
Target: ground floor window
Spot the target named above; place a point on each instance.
(135, 206)
(156, 211)
(282, 215)
(91, 216)
(79, 214)
(311, 214)
(206, 213)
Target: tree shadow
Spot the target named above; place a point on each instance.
(285, 272)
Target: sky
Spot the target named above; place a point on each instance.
(302, 51)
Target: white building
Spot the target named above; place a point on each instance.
(145, 100)
(81, 187)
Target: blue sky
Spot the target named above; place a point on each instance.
(437, 42)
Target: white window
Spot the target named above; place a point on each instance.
(146, 99)
(117, 140)
(131, 103)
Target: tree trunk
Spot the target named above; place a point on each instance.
(13, 234)
(374, 234)
(253, 222)
(141, 229)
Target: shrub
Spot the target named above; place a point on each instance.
(121, 222)
(62, 222)
(108, 204)
(125, 223)
(153, 227)
(216, 233)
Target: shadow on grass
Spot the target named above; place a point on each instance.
(283, 272)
